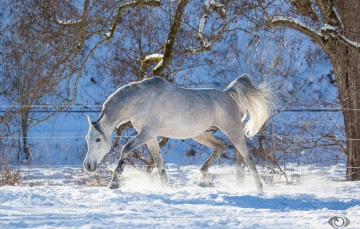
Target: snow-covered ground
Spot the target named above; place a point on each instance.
(57, 197)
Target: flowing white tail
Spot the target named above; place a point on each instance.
(253, 100)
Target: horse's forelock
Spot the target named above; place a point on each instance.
(97, 127)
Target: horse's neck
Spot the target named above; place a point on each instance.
(117, 111)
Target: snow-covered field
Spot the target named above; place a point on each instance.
(56, 197)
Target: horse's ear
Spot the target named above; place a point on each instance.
(89, 119)
(103, 120)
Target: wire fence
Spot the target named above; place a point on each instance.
(285, 108)
(85, 108)
(279, 136)
(88, 108)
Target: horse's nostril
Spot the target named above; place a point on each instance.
(88, 167)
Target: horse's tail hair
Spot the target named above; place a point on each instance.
(252, 100)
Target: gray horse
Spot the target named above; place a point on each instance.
(156, 107)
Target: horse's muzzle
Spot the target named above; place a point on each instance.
(90, 167)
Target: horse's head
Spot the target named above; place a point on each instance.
(98, 145)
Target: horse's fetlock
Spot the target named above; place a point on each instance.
(203, 169)
(163, 177)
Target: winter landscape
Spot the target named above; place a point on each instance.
(61, 60)
(51, 197)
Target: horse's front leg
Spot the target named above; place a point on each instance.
(115, 181)
(144, 136)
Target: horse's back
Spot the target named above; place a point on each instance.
(179, 112)
(186, 113)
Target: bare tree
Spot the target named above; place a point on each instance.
(77, 31)
(329, 23)
(337, 33)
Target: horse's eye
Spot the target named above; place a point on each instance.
(98, 140)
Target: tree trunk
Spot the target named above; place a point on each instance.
(24, 128)
(346, 64)
(347, 68)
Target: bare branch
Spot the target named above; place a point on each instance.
(217, 7)
(334, 33)
(71, 22)
(130, 4)
(209, 45)
(332, 28)
(330, 14)
(305, 7)
(170, 41)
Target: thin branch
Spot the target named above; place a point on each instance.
(71, 22)
(217, 7)
(222, 31)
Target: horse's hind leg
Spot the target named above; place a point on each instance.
(234, 131)
(240, 173)
(218, 148)
(154, 149)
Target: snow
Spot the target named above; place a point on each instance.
(338, 17)
(352, 43)
(208, 3)
(161, 63)
(59, 200)
(154, 56)
(328, 27)
(205, 42)
(68, 22)
(332, 31)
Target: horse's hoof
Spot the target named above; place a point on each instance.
(163, 178)
(164, 181)
(240, 179)
(209, 180)
(114, 185)
(260, 188)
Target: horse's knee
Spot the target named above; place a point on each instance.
(220, 147)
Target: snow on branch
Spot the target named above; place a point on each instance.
(297, 25)
(203, 40)
(156, 56)
(74, 22)
(334, 32)
(333, 17)
(334, 27)
(217, 7)
(68, 22)
(148, 60)
(353, 44)
(328, 30)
